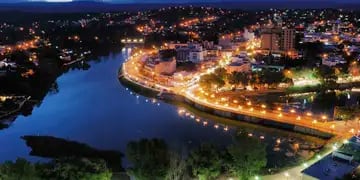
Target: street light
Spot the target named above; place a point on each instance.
(287, 175)
(324, 117)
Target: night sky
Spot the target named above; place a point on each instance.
(171, 1)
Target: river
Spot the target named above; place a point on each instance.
(93, 107)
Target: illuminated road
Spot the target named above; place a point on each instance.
(338, 128)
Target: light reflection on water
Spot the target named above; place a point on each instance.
(92, 107)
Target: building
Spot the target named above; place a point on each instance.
(276, 39)
(288, 40)
(332, 60)
(197, 55)
(262, 67)
(248, 35)
(162, 64)
(238, 67)
(225, 41)
(182, 54)
(193, 52)
(341, 161)
(239, 63)
(165, 66)
(270, 39)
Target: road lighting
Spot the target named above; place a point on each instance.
(287, 175)
(324, 117)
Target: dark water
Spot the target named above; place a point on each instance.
(92, 107)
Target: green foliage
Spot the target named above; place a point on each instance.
(65, 169)
(20, 169)
(246, 157)
(221, 73)
(326, 74)
(209, 81)
(74, 169)
(149, 159)
(346, 112)
(205, 162)
(270, 77)
(238, 78)
(177, 168)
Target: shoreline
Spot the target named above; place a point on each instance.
(222, 113)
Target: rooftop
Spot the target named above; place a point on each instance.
(329, 168)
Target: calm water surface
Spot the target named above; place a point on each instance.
(92, 107)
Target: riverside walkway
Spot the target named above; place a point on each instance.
(337, 128)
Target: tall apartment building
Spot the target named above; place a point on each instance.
(288, 39)
(276, 39)
(270, 39)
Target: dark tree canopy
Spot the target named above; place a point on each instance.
(205, 162)
(247, 156)
(149, 159)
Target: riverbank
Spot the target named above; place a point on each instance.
(167, 96)
(239, 120)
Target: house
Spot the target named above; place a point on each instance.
(332, 60)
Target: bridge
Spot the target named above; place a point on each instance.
(133, 41)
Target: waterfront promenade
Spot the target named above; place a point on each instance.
(308, 122)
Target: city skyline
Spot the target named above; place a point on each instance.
(180, 1)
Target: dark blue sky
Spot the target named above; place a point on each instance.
(179, 1)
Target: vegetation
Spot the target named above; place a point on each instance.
(66, 169)
(211, 81)
(149, 158)
(346, 112)
(52, 147)
(247, 156)
(259, 79)
(205, 162)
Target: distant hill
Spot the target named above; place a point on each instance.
(94, 6)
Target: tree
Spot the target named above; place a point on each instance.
(246, 157)
(149, 159)
(272, 78)
(208, 81)
(236, 78)
(64, 168)
(326, 75)
(233, 78)
(21, 169)
(177, 167)
(76, 168)
(205, 162)
(221, 73)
